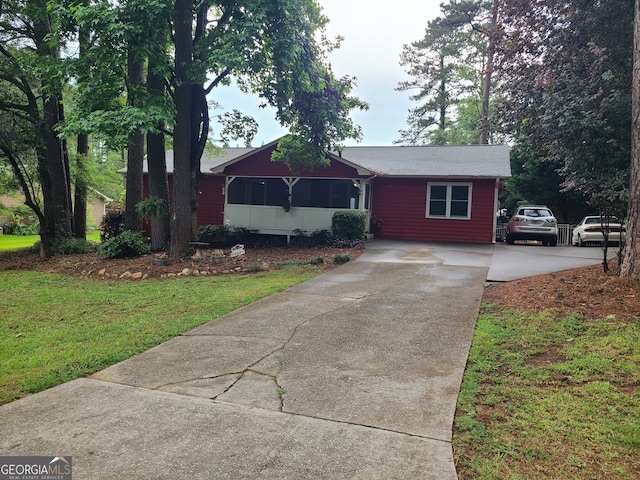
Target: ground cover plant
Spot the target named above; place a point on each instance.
(54, 328)
(548, 393)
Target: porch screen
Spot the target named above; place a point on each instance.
(325, 193)
(258, 191)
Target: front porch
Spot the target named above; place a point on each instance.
(280, 206)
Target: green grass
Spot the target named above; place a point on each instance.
(14, 242)
(55, 328)
(548, 397)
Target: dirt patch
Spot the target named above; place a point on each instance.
(98, 267)
(586, 290)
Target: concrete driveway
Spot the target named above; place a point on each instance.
(510, 262)
(351, 375)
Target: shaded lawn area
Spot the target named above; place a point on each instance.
(14, 242)
(55, 328)
(548, 396)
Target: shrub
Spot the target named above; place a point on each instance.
(70, 246)
(319, 238)
(227, 236)
(152, 207)
(349, 225)
(127, 244)
(317, 260)
(355, 244)
(21, 221)
(342, 257)
(112, 225)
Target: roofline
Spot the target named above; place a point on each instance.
(220, 168)
(359, 168)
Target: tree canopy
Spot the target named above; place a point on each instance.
(94, 54)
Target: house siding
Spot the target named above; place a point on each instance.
(260, 165)
(211, 200)
(401, 205)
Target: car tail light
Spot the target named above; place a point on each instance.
(593, 229)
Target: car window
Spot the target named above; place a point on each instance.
(535, 212)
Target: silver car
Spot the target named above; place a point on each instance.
(533, 222)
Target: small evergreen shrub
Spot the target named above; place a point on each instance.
(112, 225)
(127, 244)
(349, 225)
(70, 246)
(319, 238)
(213, 234)
(342, 258)
(317, 260)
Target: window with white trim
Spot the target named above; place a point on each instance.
(449, 200)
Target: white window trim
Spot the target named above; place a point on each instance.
(448, 200)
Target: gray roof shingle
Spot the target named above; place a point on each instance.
(486, 161)
(473, 161)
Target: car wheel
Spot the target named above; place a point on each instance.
(581, 243)
(510, 239)
(553, 242)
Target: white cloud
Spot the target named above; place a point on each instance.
(374, 34)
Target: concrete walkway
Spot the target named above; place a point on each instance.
(351, 375)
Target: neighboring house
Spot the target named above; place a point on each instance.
(413, 193)
(96, 205)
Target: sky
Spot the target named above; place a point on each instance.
(374, 34)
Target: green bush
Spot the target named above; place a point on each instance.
(214, 234)
(152, 207)
(112, 225)
(349, 225)
(317, 260)
(21, 220)
(226, 236)
(127, 244)
(342, 257)
(70, 246)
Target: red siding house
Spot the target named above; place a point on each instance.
(438, 193)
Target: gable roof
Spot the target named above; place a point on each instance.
(480, 161)
(467, 161)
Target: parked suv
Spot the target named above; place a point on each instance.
(533, 222)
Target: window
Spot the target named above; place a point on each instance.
(258, 191)
(325, 193)
(449, 200)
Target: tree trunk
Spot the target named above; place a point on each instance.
(82, 154)
(181, 212)
(486, 87)
(135, 149)
(53, 160)
(199, 130)
(157, 176)
(81, 188)
(631, 258)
